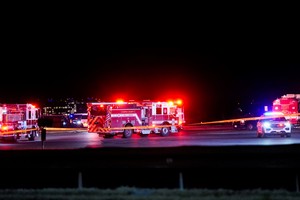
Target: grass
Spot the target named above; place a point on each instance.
(131, 193)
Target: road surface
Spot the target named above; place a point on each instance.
(190, 136)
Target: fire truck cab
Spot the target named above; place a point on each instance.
(18, 121)
(144, 117)
(289, 105)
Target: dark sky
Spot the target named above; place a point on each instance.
(211, 64)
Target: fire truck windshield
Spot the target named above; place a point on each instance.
(98, 109)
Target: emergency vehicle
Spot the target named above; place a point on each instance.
(289, 105)
(143, 117)
(78, 120)
(18, 121)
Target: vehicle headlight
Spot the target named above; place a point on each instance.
(287, 124)
(267, 124)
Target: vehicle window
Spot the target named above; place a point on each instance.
(98, 110)
(279, 119)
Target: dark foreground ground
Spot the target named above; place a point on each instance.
(146, 194)
(233, 168)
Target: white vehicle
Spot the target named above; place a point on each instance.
(78, 120)
(18, 121)
(273, 123)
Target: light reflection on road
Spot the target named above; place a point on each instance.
(187, 137)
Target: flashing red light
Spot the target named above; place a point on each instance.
(179, 102)
(33, 105)
(120, 101)
(171, 103)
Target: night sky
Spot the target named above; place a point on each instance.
(211, 64)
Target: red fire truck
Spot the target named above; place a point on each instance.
(144, 117)
(289, 105)
(18, 121)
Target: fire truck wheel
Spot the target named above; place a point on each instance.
(165, 131)
(127, 132)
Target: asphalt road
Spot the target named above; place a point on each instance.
(189, 136)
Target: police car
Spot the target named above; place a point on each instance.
(78, 120)
(273, 123)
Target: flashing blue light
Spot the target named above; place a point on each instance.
(273, 113)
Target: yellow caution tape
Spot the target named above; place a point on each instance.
(245, 119)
